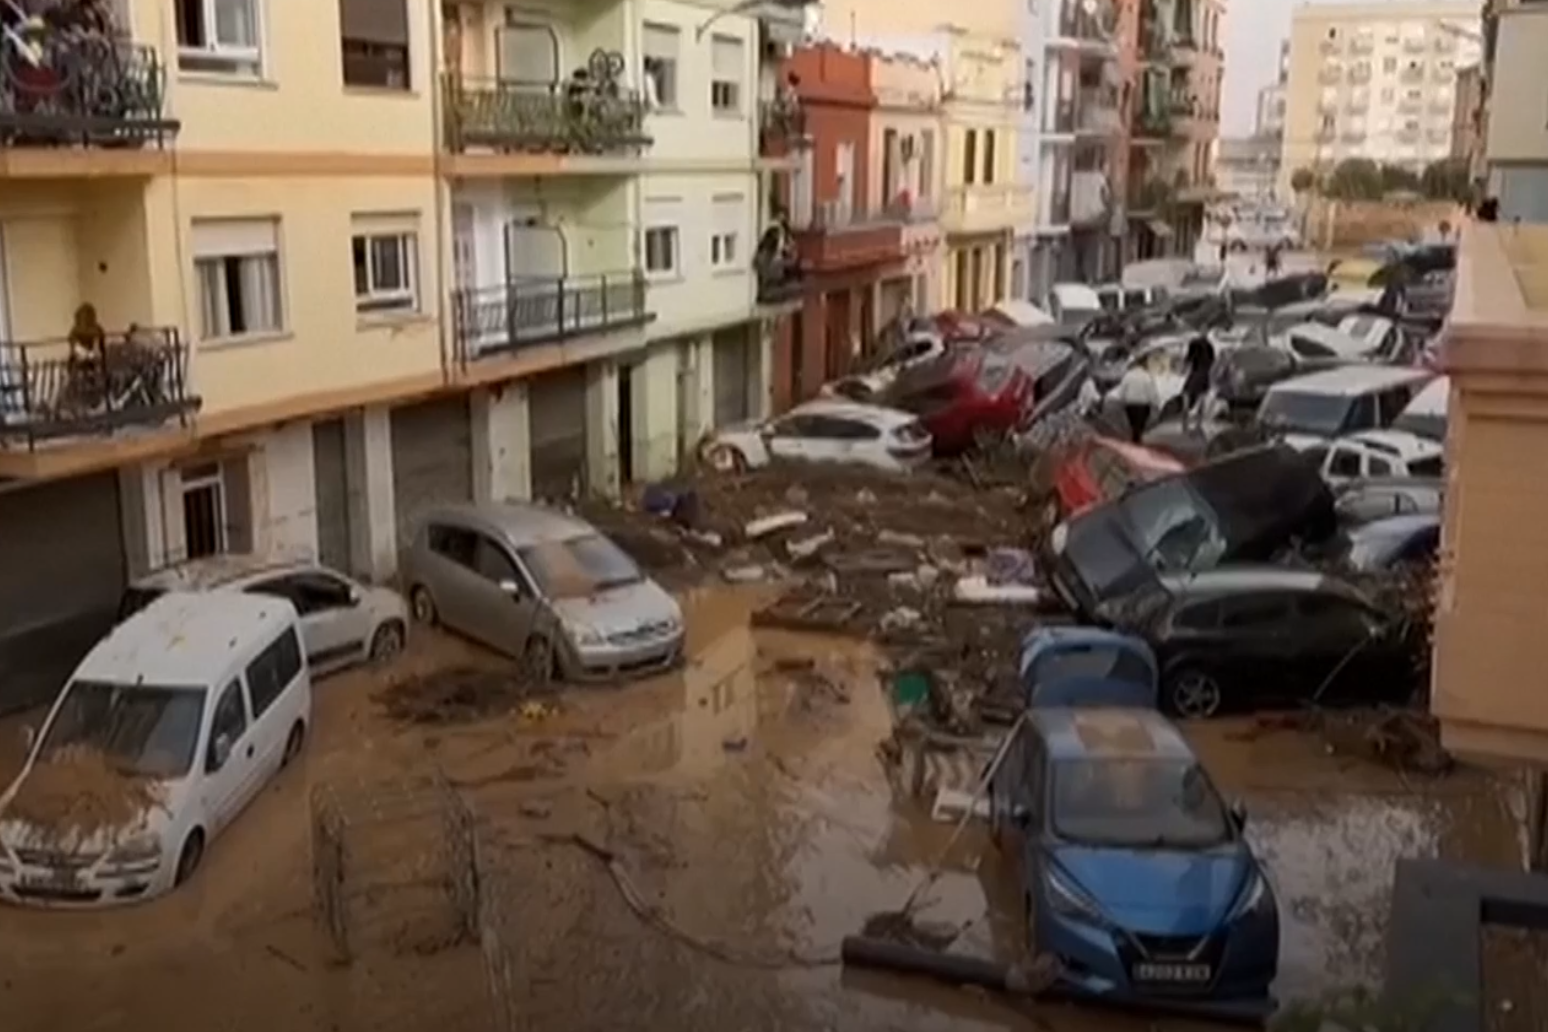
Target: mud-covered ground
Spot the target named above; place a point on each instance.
(684, 853)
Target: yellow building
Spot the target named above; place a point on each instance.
(982, 73)
(277, 276)
(906, 136)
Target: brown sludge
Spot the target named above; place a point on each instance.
(78, 793)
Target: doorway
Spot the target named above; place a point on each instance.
(204, 511)
(625, 424)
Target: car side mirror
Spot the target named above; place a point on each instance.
(1239, 815)
(511, 588)
(354, 595)
(220, 752)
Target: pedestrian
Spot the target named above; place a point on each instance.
(1138, 395)
(1271, 261)
(1200, 362)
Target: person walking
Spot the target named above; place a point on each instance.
(1271, 261)
(1200, 363)
(1138, 395)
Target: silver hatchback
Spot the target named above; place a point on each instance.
(543, 587)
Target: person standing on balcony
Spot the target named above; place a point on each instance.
(1138, 395)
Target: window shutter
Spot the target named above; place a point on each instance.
(375, 21)
(528, 54)
(219, 238)
(660, 42)
(726, 58)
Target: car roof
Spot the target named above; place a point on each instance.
(215, 571)
(184, 639)
(1243, 577)
(1351, 380)
(877, 415)
(1109, 733)
(1398, 442)
(520, 523)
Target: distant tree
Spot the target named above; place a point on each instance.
(1302, 180)
(1354, 179)
(1396, 178)
(1447, 180)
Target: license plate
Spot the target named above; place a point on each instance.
(1187, 974)
(55, 881)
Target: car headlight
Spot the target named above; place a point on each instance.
(583, 635)
(1070, 901)
(141, 849)
(1255, 898)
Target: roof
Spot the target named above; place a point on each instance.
(1101, 733)
(184, 639)
(1351, 380)
(1228, 580)
(217, 570)
(876, 415)
(519, 522)
(1334, 339)
(1401, 443)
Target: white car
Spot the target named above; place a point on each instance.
(1259, 234)
(916, 350)
(177, 720)
(342, 622)
(1381, 453)
(823, 431)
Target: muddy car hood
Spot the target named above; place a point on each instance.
(620, 610)
(1160, 892)
(155, 820)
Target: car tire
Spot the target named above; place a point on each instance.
(722, 458)
(191, 856)
(387, 642)
(1191, 693)
(423, 606)
(293, 743)
(537, 661)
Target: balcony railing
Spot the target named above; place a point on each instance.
(544, 310)
(1093, 26)
(779, 279)
(90, 90)
(506, 116)
(1151, 124)
(782, 123)
(93, 385)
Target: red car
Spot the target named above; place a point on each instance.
(1101, 469)
(963, 397)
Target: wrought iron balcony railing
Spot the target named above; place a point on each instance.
(779, 280)
(544, 310)
(506, 116)
(93, 385)
(782, 121)
(61, 89)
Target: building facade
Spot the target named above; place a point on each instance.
(1374, 81)
(1269, 118)
(1248, 168)
(318, 266)
(1515, 147)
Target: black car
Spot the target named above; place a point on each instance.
(1245, 638)
(1244, 374)
(1362, 501)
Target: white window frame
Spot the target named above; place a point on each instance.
(673, 76)
(377, 300)
(725, 235)
(245, 242)
(187, 485)
(673, 270)
(729, 89)
(723, 250)
(217, 58)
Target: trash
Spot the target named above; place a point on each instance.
(805, 548)
(874, 561)
(900, 619)
(750, 574)
(978, 590)
(705, 537)
(891, 537)
(658, 500)
(910, 689)
(1009, 566)
(951, 805)
(767, 525)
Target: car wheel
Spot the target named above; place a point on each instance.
(537, 661)
(188, 860)
(293, 743)
(1192, 694)
(723, 458)
(423, 606)
(387, 642)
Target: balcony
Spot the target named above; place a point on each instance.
(95, 385)
(780, 279)
(1061, 117)
(836, 238)
(781, 125)
(1091, 197)
(987, 209)
(1091, 30)
(1098, 113)
(505, 117)
(87, 91)
(1148, 196)
(489, 321)
(1150, 125)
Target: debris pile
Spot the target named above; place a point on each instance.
(78, 794)
(459, 695)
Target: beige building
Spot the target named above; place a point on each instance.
(1516, 133)
(1375, 81)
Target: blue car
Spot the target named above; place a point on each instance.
(1135, 875)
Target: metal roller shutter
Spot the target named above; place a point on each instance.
(432, 460)
(332, 474)
(62, 550)
(732, 374)
(556, 413)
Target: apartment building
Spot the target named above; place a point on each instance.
(1174, 124)
(1375, 81)
(1248, 168)
(862, 206)
(277, 276)
(978, 52)
(1069, 143)
(1514, 160)
(1269, 118)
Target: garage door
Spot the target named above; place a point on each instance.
(62, 553)
(733, 378)
(432, 460)
(329, 464)
(556, 411)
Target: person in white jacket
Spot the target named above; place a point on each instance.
(1138, 395)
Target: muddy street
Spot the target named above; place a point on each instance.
(750, 826)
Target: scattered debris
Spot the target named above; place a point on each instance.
(1403, 739)
(766, 525)
(461, 695)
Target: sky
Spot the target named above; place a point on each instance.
(1253, 31)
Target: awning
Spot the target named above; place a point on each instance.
(1159, 228)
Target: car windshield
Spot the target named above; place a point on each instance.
(579, 566)
(1137, 802)
(1305, 412)
(141, 729)
(1172, 526)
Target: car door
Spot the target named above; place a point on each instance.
(331, 620)
(229, 759)
(455, 587)
(1255, 647)
(507, 602)
(822, 439)
(860, 442)
(1343, 660)
(790, 439)
(269, 677)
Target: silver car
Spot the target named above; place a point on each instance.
(543, 587)
(342, 622)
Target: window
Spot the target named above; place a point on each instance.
(661, 47)
(491, 563)
(228, 724)
(236, 263)
(310, 592)
(452, 543)
(1263, 612)
(374, 39)
(386, 268)
(1345, 463)
(661, 251)
(274, 669)
(969, 156)
(1379, 467)
(725, 250)
(988, 156)
(528, 52)
(218, 36)
(1389, 65)
(726, 75)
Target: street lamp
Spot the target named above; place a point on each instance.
(744, 6)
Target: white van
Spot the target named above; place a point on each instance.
(197, 700)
